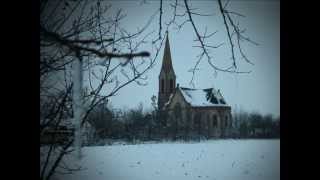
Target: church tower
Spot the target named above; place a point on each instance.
(167, 77)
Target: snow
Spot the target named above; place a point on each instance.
(217, 94)
(169, 101)
(198, 97)
(212, 160)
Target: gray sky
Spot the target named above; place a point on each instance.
(257, 91)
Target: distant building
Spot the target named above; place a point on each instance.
(201, 112)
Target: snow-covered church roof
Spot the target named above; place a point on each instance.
(203, 97)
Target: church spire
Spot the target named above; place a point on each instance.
(167, 77)
(166, 61)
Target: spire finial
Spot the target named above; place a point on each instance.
(167, 36)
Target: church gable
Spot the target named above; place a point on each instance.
(203, 111)
(176, 98)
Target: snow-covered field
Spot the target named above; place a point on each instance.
(212, 160)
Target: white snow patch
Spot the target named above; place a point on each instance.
(214, 159)
(198, 97)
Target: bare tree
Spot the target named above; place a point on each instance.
(112, 58)
(83, 31)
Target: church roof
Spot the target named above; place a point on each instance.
(166, 60)
(203, 97)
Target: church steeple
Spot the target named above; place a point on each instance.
(167, 77)
(166, 60)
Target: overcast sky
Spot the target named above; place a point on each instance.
(257, 91)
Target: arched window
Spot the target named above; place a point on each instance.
(197, 122)
(162, 85)
(226, 121)
(214, 121)
(197, 119)
(177, 111)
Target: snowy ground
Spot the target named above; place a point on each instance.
(212, 160)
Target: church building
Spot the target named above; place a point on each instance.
(202, 112)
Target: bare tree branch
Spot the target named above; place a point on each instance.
(160, 19)
(226, 16)
(71, 35)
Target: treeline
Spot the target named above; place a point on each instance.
(126, 124)
(255, 125)
(137, 124)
